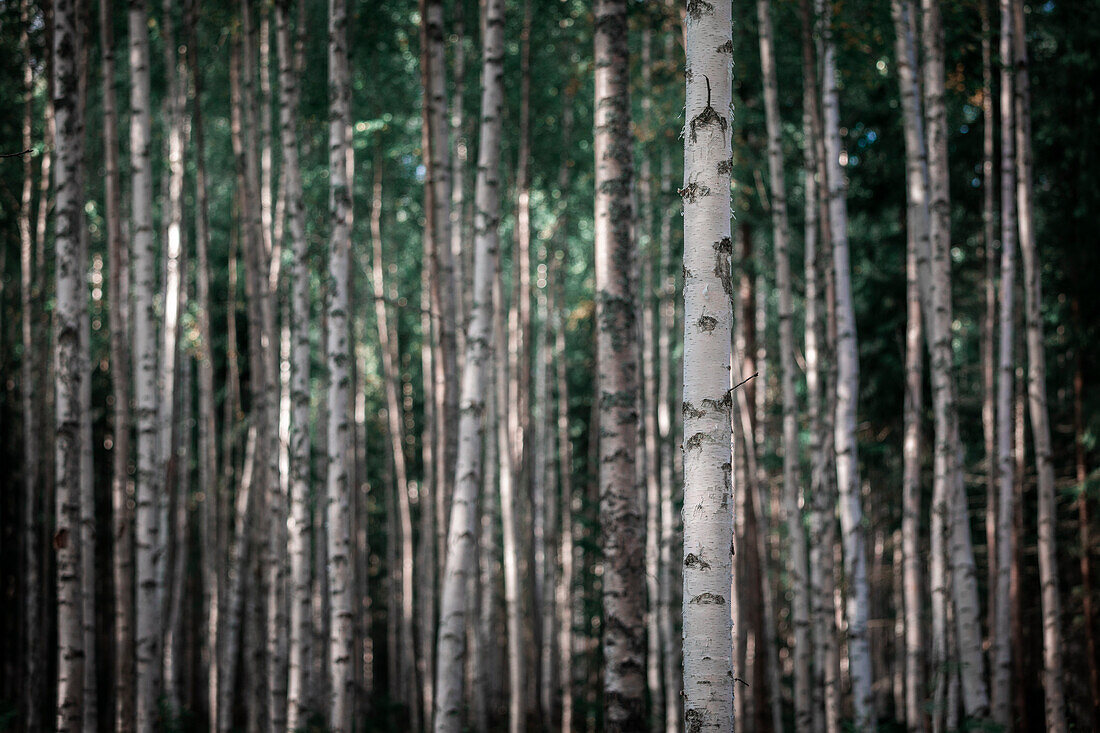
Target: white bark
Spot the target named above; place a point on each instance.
(298, 526)
(1036, 387)
(149, 478)
(462, 533)
(1000, 661)
(797, 565)
(847, 461)
(71, 374)
(338, 352)
(708, 321)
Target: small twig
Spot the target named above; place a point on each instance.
(16, 155)
(745, 381)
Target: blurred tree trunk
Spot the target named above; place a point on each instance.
(797, 565)
(338, 353)
(621, 520)
(917, 220)
(1002, 652)
(708, 320)
(851, 511)
(300, 631)
(647, 468)
(1036, 389)
(71, 359)
(30, 366)
(148, 482)
(461, 558)
(938, 310)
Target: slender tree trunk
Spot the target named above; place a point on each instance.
(565, 471)
(300, 631)
(148, 480)
(847, 463)
(1084, 521)
(989, 321)
(459, 157)
(948, 467)
(917, 219)
(797, 566)
(668, 598)
(71, 360)
(30, 365)
(708, 320)
(1036, 387)
(387, 341)
(649, 475)
(621, 518)
(460, 559)
(338, 353)
(516, 651)
(1002, 652)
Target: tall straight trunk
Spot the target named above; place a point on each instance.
(460, 559)
(1002, 652)
(459, 157)
(649, 475)
(148, 479)
(847, 462)
(1020, 679)
(300, 630)
(1036, 385)
(30, 366)
(938, 310)
(387, 341)
(71, 364)
(516, 651)
(1084, 521)
(797, 565)
(917, 221)
(621, 519)
(826, 692)
(438, 184)
(490, 559)
(565, 472)
(708, 322)
(669, 600)
(429, 484)
(338, 354)
(207, 459)
(989, 320)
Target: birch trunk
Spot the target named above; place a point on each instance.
(1036, 386)
(917, 220)
(300, 631)
(621, 518)
(669, 599)
(30, 366)
(565, 471)
(938, 310)
(148, 480)
(121, 488)
(462, 533)
(516, 654)
(1001, 655)
(797, 566)
(708, 322)
(847, 462)
(338, 353)
(72, 372)
(649, 475)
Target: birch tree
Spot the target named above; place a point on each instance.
(300, 631)
(1036, 382)
(478, 359)
(847, 461)
(147, 482)
(338, 484)
(621, 519)
(797, 566)
(71, 371)
(708, 323)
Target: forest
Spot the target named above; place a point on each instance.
(543, 365)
